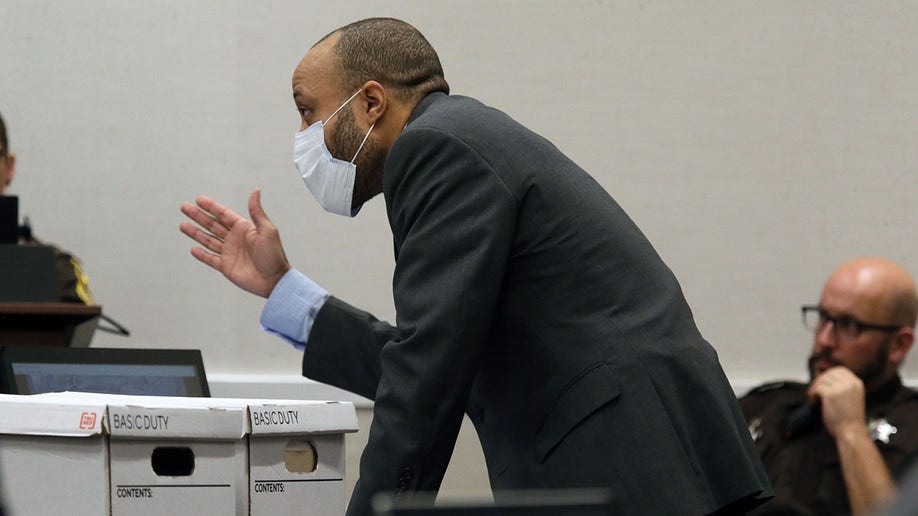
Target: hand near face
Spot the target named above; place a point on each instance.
(248, 253)
(842, 396)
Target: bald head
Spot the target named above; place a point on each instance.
(878, 286)
(879, 297)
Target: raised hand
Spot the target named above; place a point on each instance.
(248, 253)
(842, 396)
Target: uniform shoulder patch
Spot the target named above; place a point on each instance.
(782, 385)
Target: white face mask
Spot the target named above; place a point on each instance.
(330, 180)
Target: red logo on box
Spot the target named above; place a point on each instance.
(87, 420)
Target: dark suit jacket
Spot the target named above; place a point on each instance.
(527, 299)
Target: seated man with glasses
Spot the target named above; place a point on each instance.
(829, 446)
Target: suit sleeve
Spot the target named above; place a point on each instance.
(344, 347)
(453, 222)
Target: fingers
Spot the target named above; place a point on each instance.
(214, 222)
(206, 220)
(819, 386)
(842, 395)
(212, 260)
(838, 376)
(838, 381)
(259, 217)
(225, 216)
(212, 216)
(207, 240)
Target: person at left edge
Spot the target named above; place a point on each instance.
(73, 284)
(525, 297)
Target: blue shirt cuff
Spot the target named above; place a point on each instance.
(292, 308)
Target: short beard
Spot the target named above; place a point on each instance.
(345, 140)
(868, 374)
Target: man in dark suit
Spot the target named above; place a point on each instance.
(525, 298)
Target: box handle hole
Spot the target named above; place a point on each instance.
(173, 461)
(300, 457)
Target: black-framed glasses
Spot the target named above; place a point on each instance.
(845, 326)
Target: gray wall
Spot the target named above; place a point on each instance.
(758, 144)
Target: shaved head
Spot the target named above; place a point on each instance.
(874, 292)
(886, 286)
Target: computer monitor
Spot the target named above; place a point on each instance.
(152, 372)
(569, 502)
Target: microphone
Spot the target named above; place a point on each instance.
(804, 418)
(115, 328)
(25, 230)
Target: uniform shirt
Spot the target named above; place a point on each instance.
(804, 470)
(73, 284)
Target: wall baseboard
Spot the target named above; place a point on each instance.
(271, 386)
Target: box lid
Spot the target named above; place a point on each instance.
(167, 417)
(40, 415)
(265, 416)
(301, 417)
(210, 418)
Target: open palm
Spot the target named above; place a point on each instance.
(248, 253)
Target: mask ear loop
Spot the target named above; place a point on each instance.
(361, 143)
(341, 107)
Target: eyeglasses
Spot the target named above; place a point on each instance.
(846, 327)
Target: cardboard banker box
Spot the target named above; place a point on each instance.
(53, 456)
(172, 456)
(143, 455)
(296, 456)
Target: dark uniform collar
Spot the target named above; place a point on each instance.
(885, 392)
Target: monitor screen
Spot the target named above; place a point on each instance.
(151, 372)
